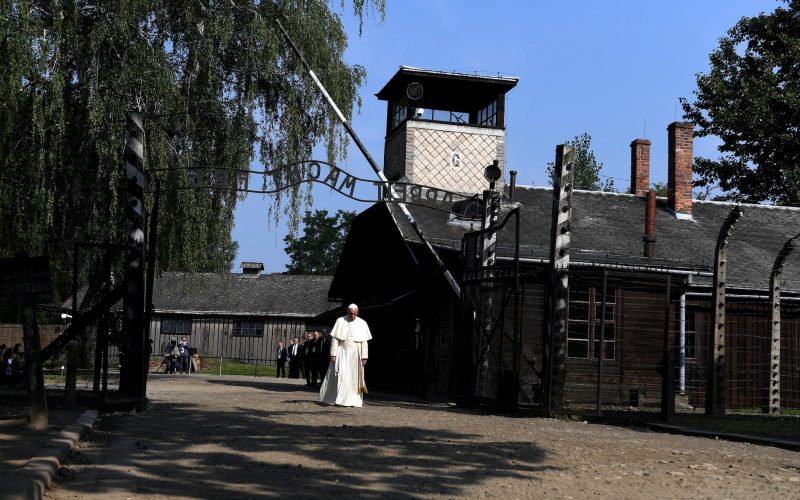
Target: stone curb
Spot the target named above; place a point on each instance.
(30, 482)
(729, 436)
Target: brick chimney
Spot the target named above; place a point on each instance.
(679, 159)
(640, 166)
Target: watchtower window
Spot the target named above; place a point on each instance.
(440, 115)
(487, 116)
(399, 114)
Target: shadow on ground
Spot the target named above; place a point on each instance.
(265, 384)
(18, 443)
(247, 452)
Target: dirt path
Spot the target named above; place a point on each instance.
(257, 438)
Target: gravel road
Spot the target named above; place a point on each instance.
(244, 437)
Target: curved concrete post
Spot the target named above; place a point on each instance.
(715, 383)
(773, 406)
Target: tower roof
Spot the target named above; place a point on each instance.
(446, 90)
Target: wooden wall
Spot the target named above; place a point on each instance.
(532, 315)
(747, 345)
(213, 336)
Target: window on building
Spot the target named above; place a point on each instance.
(691, 334)
(583, 327)
(488, 115)
(176, 327)
(248, 329)
(458, 117)
(399, 113)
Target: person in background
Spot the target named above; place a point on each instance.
(294, 358)
(324, 356)
(8, 368)
(310, 351)
(183, 355)
(171, 355)
(280, 356)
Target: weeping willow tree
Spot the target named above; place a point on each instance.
(218, 86)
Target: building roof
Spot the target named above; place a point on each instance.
(607, 228)
(238, 294)
(443, 89)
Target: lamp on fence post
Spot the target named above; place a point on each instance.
(491, 209)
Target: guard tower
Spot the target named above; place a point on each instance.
(443, 129)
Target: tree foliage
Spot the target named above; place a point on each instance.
(661, 188)
(587, 168)
(218, 86)
(318, 250)
(750, 99)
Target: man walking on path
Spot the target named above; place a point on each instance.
(344, 384)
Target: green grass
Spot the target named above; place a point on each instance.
(210, 366)
(758, 411)
(786, 426)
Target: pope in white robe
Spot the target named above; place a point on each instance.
(344, 384)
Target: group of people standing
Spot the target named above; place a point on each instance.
(176, 356)
(13, 369)
(308, 359)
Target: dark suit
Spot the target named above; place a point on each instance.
(324, 356)
(294, 360)
(280, 355)
(310, 361)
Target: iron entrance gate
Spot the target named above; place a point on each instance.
(496, 365)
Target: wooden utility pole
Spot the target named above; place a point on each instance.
(37, 415)
(25, 282)
(667, 377)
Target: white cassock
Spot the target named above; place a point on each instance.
(344, 383)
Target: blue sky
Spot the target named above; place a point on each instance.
(614, 69)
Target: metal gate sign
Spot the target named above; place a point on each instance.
(293, 174)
